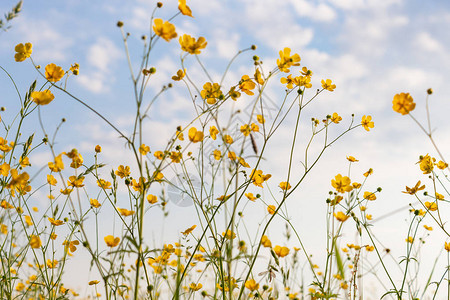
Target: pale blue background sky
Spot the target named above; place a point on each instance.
(371, 49)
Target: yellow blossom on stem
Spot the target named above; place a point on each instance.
(409, 239)
(166, 30)
(327, 85)
(213, 131)
(180, 75)
(403, 103)
(58, 165)
(159, 155)
(112, 241)
(250, 196)
(441, 165)
(122, 171)
(211, 92)
(54, 73)
(260, 119)
(369, 172)
(258, 77)
(184, 9)
(43, 97)
(351, 159)
(447, 246)
(229, 235)
(281, 251)
(258, 177)
(55, 222)
(341, 183)
(4, 169)
(189, 230)
(284, 185)
(286, 60)
(335, 118)
(195, 136)
(340, 216)
(125, 212)
(367, 123)
(75, 181)
(51, 263)
(246, 85)
(195, 287)
(190, 45)
(94, 203)
(288, 81)
(217, 154)
(23, 51)
(35, 241)
(370, 196)
(227, 139)
(271, 209)
(427, 164)
(144, 149)
(432, 206)
(103, 184)
(429, 228)
(152, 199)
(93, 282)
(252, 285)
(266, 242)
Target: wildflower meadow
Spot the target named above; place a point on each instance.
(202, 180)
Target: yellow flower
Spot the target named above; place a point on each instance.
(260, 119)
(103, 184)
(211, 92)
(158, 176)
(51, 263)
(246, 85)
(190, 45)
(303, 81)
(176, 156)
(439, 196)
(28, 221)
(159, 155)
(184, 9)
(266, 242)
(341, 184)
(233, 93)
(367, 123)
(410, 239)
(111, 241)
(289, 81)
(217, 154)
(55, 222)
(227, 139)
(250, 196)
(75, 182)
(229, 234)
(93, 282)
(58, 165)
(180, 75)
(327, 85)
(369, 172)
(35, 241)
(369, 196)
(213, 131)
(75, 69)
(335, 118)
(431, 206)
(232, 155)
(447, 246)
(403, 103)
(23, 51)
(251, 285)
(281, 251)
(54, 73)
(429, 228)
(94, 203)
(4, 169)
(165, 30)
(123, 172)
(271, 209)
(51, 180)
(70, 246)
(258, 77)
(195, 287)
(42, 98)
(340, 216)
(351, 159)
(189, 230)
(195, 136)
(144, 149)
(125, 212)
(258, 177)
(427, 164)
(243, 163)
(286, 60)
(152, 199)
(285, 185)
(441, 165)
(245, 129)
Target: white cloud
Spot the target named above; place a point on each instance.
(426, 42)
(101, 58)
(320, 12)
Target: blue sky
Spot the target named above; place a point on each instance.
(371, 49)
